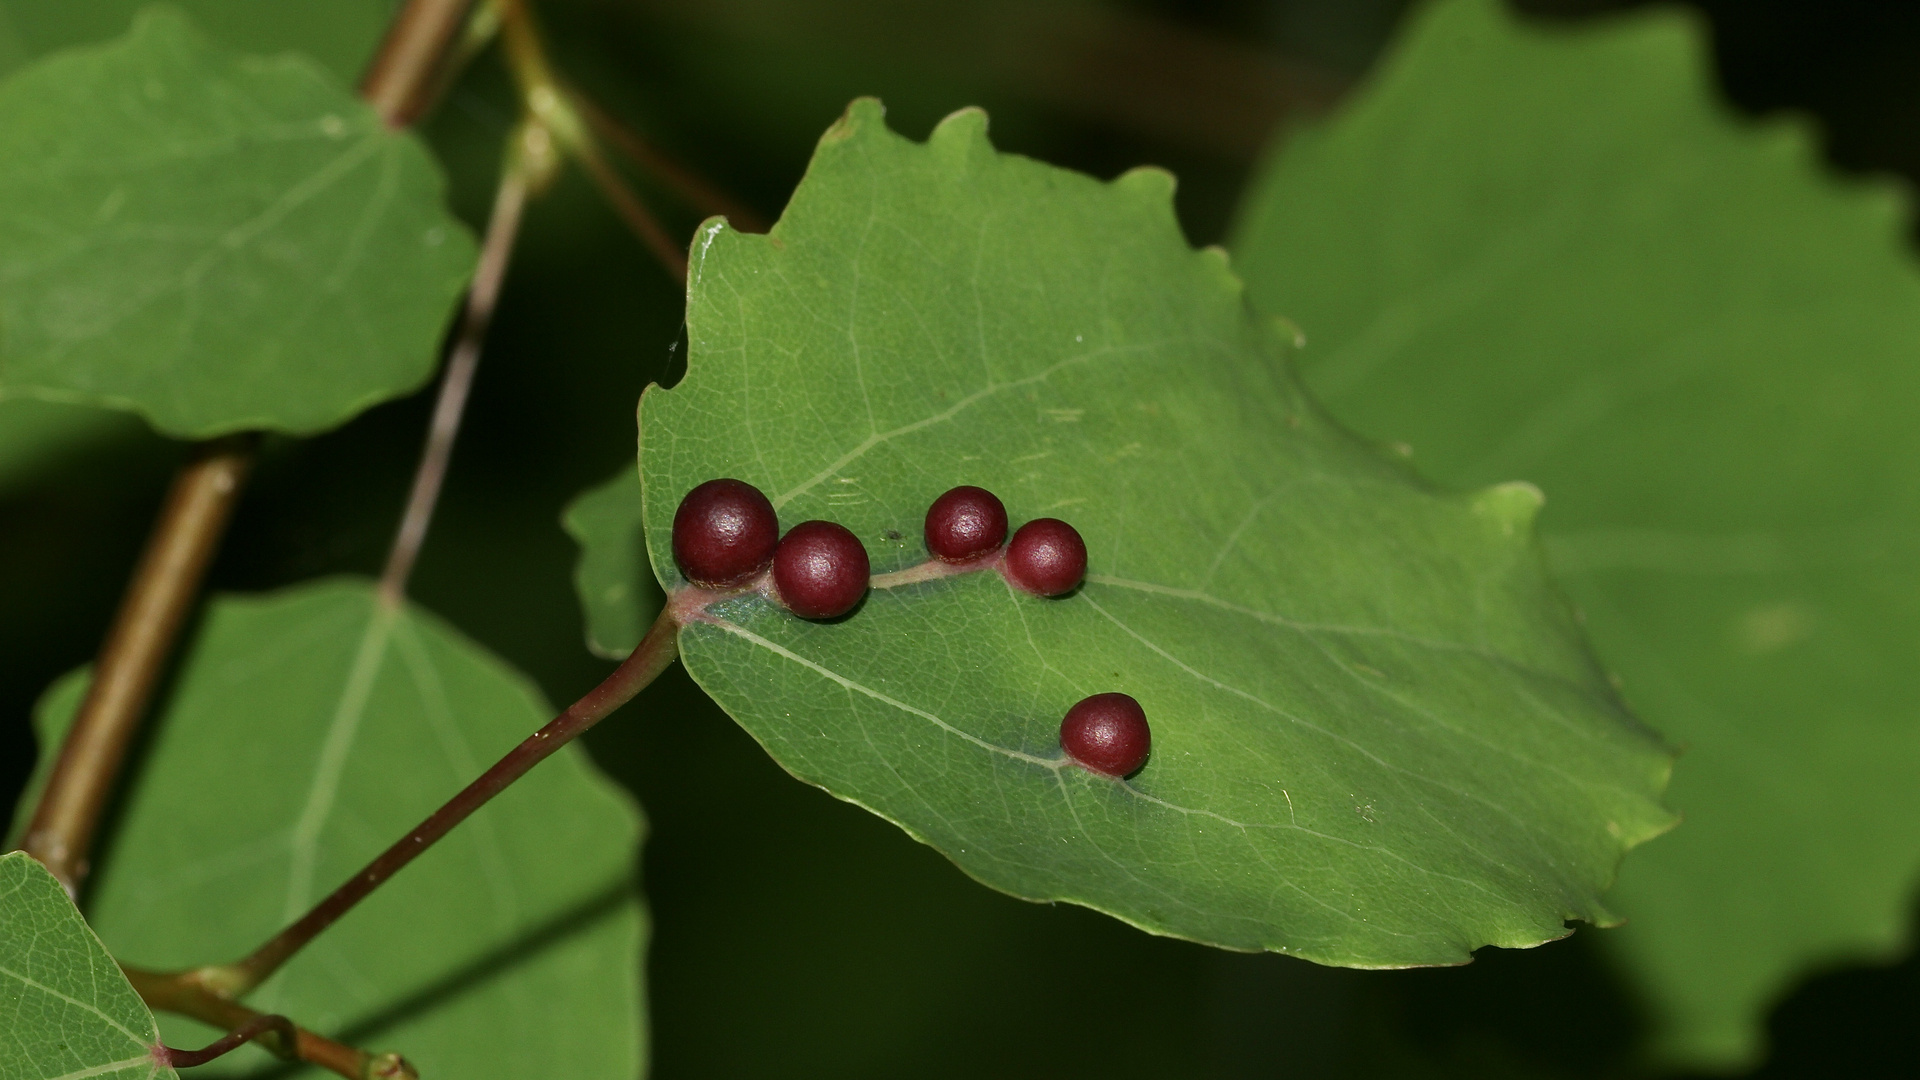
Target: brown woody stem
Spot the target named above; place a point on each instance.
(276, 1034)
(503, 226)
(648, 660)
(136, 648)
(400, 81)
(220, 1047)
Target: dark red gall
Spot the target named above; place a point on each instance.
(1107, 733)
(724, 533)
(820, 570)
(965, 523)
(1047, 557)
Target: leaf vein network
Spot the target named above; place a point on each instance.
(1056, 765)
(147, 1059)
(35, 984)
(1303, 722)
(953, 410)
(1310, 628)
(230, 240)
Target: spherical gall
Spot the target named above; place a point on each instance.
(820, 570)
(1107, 734)
(1047, 557)
(724, 533)
(964, 524)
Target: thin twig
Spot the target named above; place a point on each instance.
(225, 1044)
(549, 102)
(157, 599)
(632, 211)
(275, 1034)
(482, 26)
(400, 80)
(503, 226)
(648, 660)
(696, 190)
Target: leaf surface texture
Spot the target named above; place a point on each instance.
(66, 1011)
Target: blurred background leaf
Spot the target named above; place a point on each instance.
(304, 731)
(796, 935)
(1549, 255)
(617, 591)
(214, 242)
(338, 34)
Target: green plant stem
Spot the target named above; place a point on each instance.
(649, 659)
(275, 1034)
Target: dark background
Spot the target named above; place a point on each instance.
(796, 935)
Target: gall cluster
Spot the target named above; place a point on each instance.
(726, 535)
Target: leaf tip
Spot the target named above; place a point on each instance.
(1149, 181)
(1511, 505)
(703, 239)
(961, 126)
(1289, 330)
(861, 112)
(1215, 259)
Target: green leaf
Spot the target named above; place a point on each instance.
(339, 34)
(307, 730)
(1551, 254)
(617, 590)
(1377, 740)
(214, 242)
(65, 1009)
